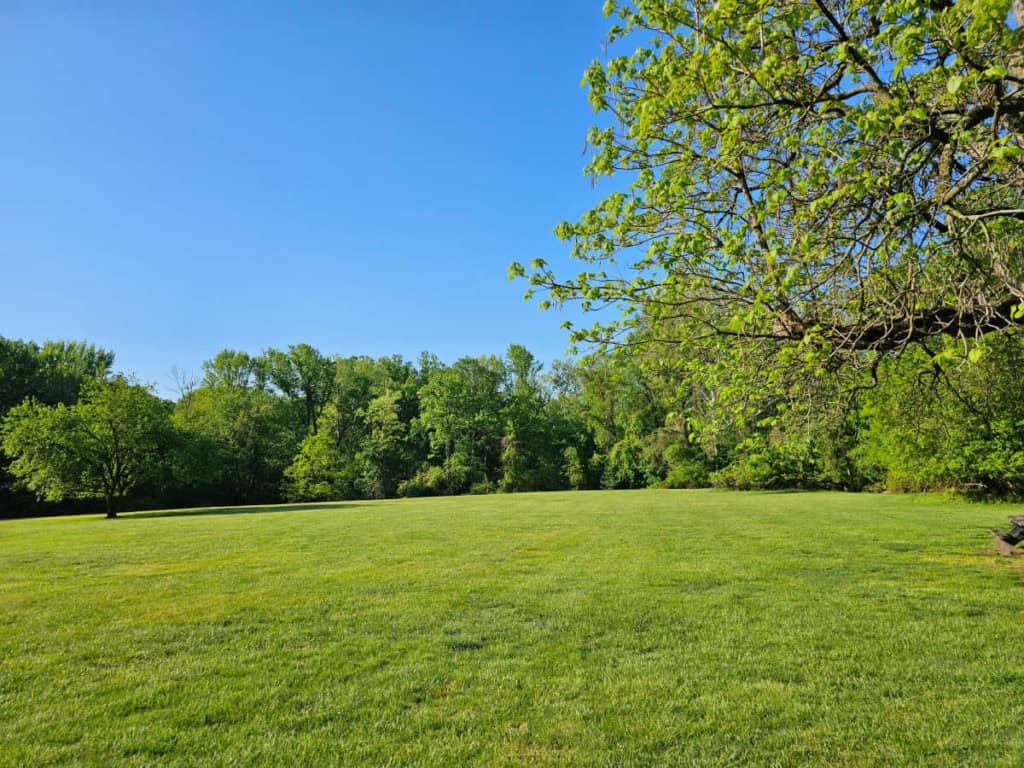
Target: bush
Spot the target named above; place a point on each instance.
(687, 467)
(482, 488)
(429, 481)
(626, 466)
(572, 469)
(689, 474)
(453, 477)
(758, 465)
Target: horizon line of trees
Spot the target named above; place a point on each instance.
(299, 425)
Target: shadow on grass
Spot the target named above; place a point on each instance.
(252, 510)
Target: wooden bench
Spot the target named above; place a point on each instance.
(1007, 541)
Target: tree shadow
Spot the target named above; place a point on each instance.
(324, 506)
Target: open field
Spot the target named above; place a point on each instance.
(614, 628)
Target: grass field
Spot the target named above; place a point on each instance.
(616, 628)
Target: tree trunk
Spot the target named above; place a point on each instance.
(111, 514)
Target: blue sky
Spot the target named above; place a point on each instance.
(180, 178)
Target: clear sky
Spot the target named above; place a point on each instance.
(179, 178)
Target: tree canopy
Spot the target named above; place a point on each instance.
(390, 427)
(827, 181)
(111, 441)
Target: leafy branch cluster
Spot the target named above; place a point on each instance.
(841, 179)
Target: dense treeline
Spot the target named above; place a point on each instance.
(299, 425)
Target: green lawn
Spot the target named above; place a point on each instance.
(616, 628)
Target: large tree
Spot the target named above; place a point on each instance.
(104, 446)
(304, 375)
(824, 181)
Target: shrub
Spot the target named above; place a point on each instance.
(429, 481)
(482, 488)
(453, 477)
(760, 465)
(687, 467)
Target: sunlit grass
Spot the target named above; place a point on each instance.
(619, 628)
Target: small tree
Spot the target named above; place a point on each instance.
(104, 446)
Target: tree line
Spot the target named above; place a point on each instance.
(300, 425)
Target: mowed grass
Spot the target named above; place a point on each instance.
(620, 628)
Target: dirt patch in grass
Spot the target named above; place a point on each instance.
(1004, 548)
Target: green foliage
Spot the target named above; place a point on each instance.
(52, 373)
(456, 475)
(461, 407)
(945, 417)
(799, 188)
(249, 435)
(231, 368)
(367, 439)
(106, 445)
(533, 440)
(383, 452)
(482, 488)
(429, 481)
(758, 464)
(687, 467)
(19, 366)
(301, 374)
(931, 426)
(626, 466)
(319, 471)
(574, 472)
